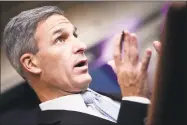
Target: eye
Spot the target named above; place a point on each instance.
(59, 39)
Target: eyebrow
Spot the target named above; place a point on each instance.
(61, 30)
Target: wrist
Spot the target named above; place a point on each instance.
(131, 91)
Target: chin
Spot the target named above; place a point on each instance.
(82, 82)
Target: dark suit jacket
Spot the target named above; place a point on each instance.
(23, 109)
(19, 106)
(131, 113)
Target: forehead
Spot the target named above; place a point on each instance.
(51, 24)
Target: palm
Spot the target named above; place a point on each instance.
(131, 72)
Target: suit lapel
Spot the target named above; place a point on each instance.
(53, 117)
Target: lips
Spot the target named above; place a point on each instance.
(81, 63)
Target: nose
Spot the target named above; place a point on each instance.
(79, 47)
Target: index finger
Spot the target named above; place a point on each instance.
(117, 49)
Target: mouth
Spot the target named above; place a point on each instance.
(81, 63)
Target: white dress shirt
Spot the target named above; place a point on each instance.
(76, 103)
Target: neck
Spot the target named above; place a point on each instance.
(46, 92)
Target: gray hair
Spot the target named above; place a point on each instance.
(18, 36)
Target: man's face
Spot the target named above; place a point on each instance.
(61, 55)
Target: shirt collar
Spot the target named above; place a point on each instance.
(65, 103)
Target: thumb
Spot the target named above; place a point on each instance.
(157, 46)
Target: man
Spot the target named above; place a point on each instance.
(43, 47)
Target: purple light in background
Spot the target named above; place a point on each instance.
(164, 11)
(105, 46)
(130, 25)
(97, 50)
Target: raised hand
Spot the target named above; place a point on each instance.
(131, 72)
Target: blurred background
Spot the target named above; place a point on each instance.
(97, 22)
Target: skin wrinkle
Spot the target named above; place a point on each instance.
(57, 60)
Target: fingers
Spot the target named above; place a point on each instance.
(146, 60)
(129, 52)
(126, 45)
(130, 48)
(157, 46)
(133, 54)
(117, 53)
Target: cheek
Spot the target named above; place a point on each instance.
(55, 61)
(49, 59)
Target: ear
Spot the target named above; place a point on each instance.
(29, 62)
